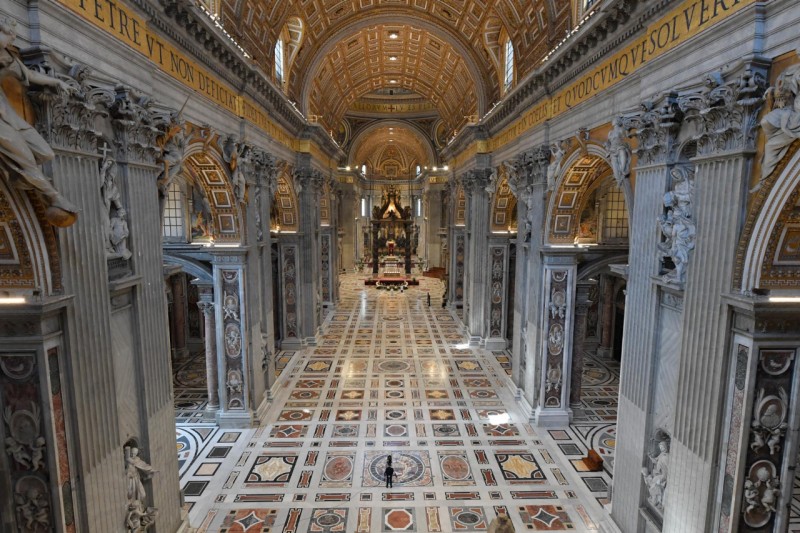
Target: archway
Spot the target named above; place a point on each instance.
(588, 213)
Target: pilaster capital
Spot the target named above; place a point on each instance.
(656, 127)
(67, 117)
(308, 180)
(725, 112)
(528, 171)
(135, 132)
(207, 308)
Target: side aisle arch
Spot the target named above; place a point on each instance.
(504, 207)
(572, 216)
(285, 214)
(207, 169)
(771, 257)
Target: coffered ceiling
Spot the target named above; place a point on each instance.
(415, 60)
(447, 50)
(391, 151)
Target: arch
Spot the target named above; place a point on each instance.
(29, 261)
(194, 268)
(351, 27)
(504, 206)
(460, 217)
(422, 144)
(595, 268)
(285, 216)
(772, 226)
(583, 171)
(206, 168)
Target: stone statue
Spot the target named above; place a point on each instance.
(656, 478)
(119, 235)
(202, 225)
(139, 517)
(33, 510)
(235, 154)
(559, 150)
(769, 421)
(782, 124)
(114, 215)
(619, 151)
(677, 224)
(172, 144)
(22, 149)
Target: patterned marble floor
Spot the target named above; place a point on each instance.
(390, 377)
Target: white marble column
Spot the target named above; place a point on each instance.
(206, 305)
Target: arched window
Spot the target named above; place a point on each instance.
(508, 70)
(279, 65)
(364, 169)
(419, 170)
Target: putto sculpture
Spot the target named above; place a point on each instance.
(22, 149)
(677, 224)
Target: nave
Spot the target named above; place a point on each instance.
(392, 376)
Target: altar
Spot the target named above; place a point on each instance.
(392, 237)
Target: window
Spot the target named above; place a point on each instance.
(615, 217)
(363, 207)
(419, 207)
(364, 169)
(508, 76)
(174, 223)
(279, 61)
(419, 170)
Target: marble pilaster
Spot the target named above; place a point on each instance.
(527, 177)
(560, 270)
(582, 303)
(309, 186)
(477, 264)
(725, 137)
(657, 145)
(232, 332)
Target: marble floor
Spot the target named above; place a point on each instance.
(394, 377)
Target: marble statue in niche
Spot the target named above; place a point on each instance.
(677, 225)
(138, 517)
(619, 151)
(656, 477)
(22, 149)
(114, 214)
(782, 124)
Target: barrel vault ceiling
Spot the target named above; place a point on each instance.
(445, 50)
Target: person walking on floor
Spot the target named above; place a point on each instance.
(389, 472)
